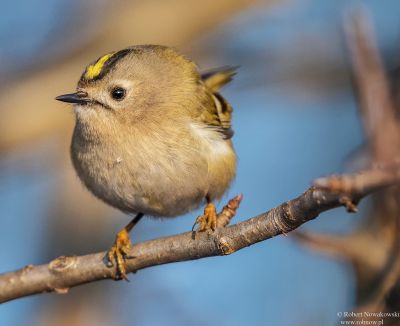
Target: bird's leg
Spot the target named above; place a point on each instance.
(210, 220)
(207, 221)
(120, 249)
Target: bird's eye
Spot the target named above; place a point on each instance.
(118, 93)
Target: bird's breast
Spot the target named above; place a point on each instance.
(161, 174)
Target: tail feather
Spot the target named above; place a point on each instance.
(217, 78)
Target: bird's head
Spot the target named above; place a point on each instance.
(146, 82)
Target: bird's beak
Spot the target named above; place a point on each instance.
(76, 98)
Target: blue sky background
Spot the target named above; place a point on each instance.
(288, 131)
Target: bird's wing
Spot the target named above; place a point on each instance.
(219, 113)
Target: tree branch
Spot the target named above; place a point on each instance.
(376, 103)
(66, 272)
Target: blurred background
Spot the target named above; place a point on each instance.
(295, 119)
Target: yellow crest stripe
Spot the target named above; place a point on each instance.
(94, 70)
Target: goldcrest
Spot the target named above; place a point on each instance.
(152, 136)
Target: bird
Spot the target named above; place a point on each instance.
(153, 137)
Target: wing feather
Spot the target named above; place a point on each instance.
(219, 112)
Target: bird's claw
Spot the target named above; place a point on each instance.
(210, 220)
(207, 221)
(118, 254)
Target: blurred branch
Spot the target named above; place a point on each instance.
(373, 249)
(66, 272)
(376, 103)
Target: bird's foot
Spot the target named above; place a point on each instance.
(118, 253)
(210, 220)
(207, 221)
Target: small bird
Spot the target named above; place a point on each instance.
(153, 137)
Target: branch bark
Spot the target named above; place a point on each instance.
(66, 272)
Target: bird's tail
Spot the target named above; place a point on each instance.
(217, 78)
